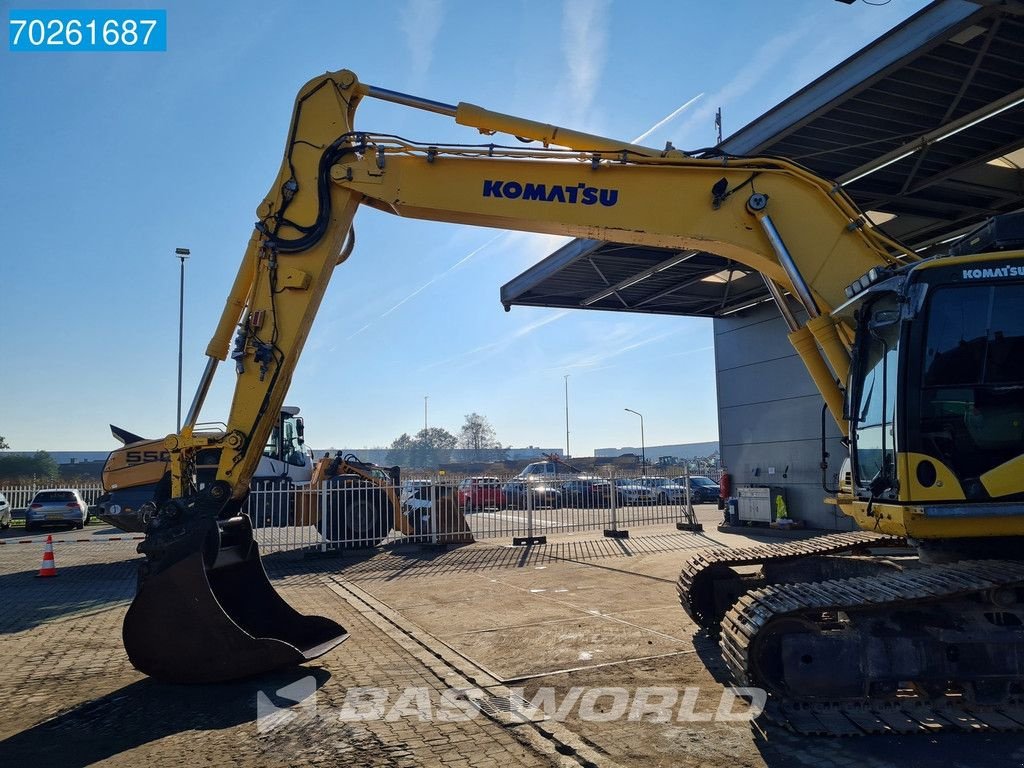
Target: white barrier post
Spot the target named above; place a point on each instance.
(614, 532)
(433, 513)
(325, 509)
(691, 523)
(529, 539)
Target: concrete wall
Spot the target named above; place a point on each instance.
(769, 415)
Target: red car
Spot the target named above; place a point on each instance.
(480, 493)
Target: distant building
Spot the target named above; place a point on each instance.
(65, 457)
(530, 452)
(664, 452)
(380, 455)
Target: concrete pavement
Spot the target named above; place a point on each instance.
(581, 621)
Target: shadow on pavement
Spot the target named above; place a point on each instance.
(781, 749)
(18, 532)
(710, 653)
(147, 711)
(30, 601)
(403, 561)
(58, 531)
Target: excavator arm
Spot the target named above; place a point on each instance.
(285, 270)
(802, 233)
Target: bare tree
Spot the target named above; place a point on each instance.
(401, 450)
(433, 447)
(429, 448)
(478, 436)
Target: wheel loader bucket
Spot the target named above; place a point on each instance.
(206, 612)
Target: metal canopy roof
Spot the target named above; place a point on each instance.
(909, 124)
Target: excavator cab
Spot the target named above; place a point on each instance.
(934, 394)
(205, 611)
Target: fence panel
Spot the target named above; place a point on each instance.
(443, 509)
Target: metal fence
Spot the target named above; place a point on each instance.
(19, 496)
(443, 509)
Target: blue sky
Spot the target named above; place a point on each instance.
(111, 160)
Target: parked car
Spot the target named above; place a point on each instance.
(587, 492)
(547, 470)
(703, 489)
(673, 489)
(480, 493)
(5, 513)
(540, 495)
(669, 490)
(57, 506)
(633, 491)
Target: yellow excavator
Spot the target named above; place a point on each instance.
(919, 361)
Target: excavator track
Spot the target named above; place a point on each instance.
(809, 616)
(696, 583)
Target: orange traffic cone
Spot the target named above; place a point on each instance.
(48, 568)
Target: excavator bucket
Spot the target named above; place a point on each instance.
(206, 612)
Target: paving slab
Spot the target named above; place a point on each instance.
(71, 698)
(653, 646)
(573, 618)
(582, 641)
(511, 610)
(675, 623)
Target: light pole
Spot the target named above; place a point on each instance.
(425, 398)
(182, 254)
(566, 377)
(643, 448)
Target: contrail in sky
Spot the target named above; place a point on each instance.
(499, 345)
(665, 120)
(431, 281)
(584, 360)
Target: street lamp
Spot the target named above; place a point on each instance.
(643, 448)
(182, 254)
(425, 398)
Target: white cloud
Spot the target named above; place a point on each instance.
(612, 348)
(494, 347)
(690, 351)
(421, 22)
(584, 45)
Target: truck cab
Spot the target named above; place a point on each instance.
(286, 455)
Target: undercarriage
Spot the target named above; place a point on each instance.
(852, 633)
